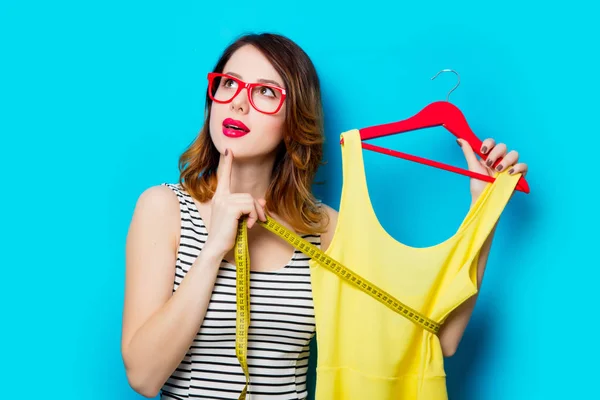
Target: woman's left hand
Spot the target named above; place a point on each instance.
(510, 162)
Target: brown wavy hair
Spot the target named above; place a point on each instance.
(298, 157)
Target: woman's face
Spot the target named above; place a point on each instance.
(261, 133)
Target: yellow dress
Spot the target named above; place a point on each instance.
(365, 350)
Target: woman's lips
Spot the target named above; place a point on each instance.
(233, 133)
(234, 129)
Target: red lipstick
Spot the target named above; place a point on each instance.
(234, 129)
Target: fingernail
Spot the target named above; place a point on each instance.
(499, 167)
(489, 162)
(459, 143)
(484, 149)
(511, 171)
(226, 152)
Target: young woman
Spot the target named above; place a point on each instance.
(257, 153)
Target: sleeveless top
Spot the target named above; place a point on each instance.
(366, 350)
(282, 325)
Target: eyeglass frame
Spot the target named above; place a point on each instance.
(244, 85)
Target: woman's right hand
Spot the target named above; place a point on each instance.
(227, 208)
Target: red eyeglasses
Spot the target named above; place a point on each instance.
(264, 97)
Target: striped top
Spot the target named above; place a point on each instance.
(281, 327)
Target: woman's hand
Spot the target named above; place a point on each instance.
(226, 210)
(510, 162)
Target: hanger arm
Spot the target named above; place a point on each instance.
(439, 113)
(426, 161)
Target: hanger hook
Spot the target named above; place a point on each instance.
(451, 90)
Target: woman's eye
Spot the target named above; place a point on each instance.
(267, 91)
(229, 83)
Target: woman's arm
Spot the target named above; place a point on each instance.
(159, 326)
(454, 327)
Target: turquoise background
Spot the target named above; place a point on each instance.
(98, 99)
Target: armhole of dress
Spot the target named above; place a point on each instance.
(493, 207)
(181, 381)
(184, 212)
(477, 233)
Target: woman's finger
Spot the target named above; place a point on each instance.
(508, 161)
(497, 152)
(260, 210)
(252, 216)
(521, 168)
(487, 145)
(244, 208)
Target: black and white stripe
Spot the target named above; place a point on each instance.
(282, 325)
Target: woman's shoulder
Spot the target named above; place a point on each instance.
(327, 235)
(156, 218)
(331, 212)
(159, 196)
(158, 202)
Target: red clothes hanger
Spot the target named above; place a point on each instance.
(439, 113)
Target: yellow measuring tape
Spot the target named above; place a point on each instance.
(242, 259)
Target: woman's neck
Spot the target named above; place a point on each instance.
(252, 176)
